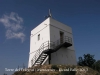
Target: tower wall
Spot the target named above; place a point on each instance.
(43, 30)
(49, 30)
(63, 55)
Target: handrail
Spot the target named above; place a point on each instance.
(69, 40)
(50, 45)
(39, 51)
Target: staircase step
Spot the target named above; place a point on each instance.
(39, 59)
(37, 63)
(43, 56)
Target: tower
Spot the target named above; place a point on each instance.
(51, 42)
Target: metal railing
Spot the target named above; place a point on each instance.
(49, 45)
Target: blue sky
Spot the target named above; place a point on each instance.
(19, 17)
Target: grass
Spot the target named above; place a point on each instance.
(54, 70)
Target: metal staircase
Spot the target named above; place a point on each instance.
(49, 47)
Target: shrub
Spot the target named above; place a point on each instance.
(54, 67)
(88, 60)
(68, 73)
(96, 66)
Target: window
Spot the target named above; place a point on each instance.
(61, 37)
(38, 37)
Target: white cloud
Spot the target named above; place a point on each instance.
(13, 25)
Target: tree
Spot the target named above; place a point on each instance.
(88, 60)
(96, 65)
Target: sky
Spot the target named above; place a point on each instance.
(19, 17)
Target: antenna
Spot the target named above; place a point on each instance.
(49, 13)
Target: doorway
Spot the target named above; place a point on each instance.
(61, 37)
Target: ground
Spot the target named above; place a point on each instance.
(57, 70)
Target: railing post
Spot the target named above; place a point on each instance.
(35, 57)
(71, 40)
(48, 44)
(53, 45)
(68, 39)
(38, 52)
(65, 39)
(43, 46)
(31, 62)
(58, 42)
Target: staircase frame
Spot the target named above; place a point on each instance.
(49, 47)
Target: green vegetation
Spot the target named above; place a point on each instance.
(89, 61)
(68, 73)
(54, 67)
(96, 66)
(90, 71)
(86, 66)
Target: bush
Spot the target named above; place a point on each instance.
(96, 66)
(54, 67)
(98, 74)
(68, 73)
(88, 60)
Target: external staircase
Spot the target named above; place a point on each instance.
(49, 47)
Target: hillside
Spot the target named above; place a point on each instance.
(57, 70)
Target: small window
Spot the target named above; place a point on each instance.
(38, 37)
